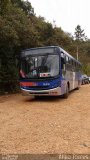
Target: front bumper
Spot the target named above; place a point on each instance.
(50, 92)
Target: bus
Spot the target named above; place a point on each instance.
(48, 71)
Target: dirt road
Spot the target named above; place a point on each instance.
(45, 125)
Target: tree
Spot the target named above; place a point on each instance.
(3, 6)
(79, 34)
(24, 5)
(16, 33)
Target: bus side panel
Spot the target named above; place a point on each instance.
(63, 86)
(71, 78)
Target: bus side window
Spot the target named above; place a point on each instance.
(67, 59)
(72, 65)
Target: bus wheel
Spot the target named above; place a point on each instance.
(67, 92)
(78, 88)
(36, 97)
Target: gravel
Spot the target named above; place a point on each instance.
(46, 124)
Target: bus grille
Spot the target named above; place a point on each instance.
(38, 87)
(39, 93)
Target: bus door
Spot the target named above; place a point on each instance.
(63, 70)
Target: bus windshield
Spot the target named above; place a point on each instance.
(39, 66)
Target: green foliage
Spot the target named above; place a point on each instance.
(86, 69)
(3, 6)
(79, 34)
(24, 5)
(16, 33)
(20, 29)
(83, 44)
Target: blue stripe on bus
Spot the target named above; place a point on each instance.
(43, 85)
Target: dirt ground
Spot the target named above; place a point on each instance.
(45, 125)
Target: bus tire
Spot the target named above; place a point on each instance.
(67, 92)
(78, 88)
(36, 97)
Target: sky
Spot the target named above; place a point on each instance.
(67, 14)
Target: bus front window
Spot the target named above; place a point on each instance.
(40, 66)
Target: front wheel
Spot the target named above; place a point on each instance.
(67, 92)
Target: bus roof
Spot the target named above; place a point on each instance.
(69, 55)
